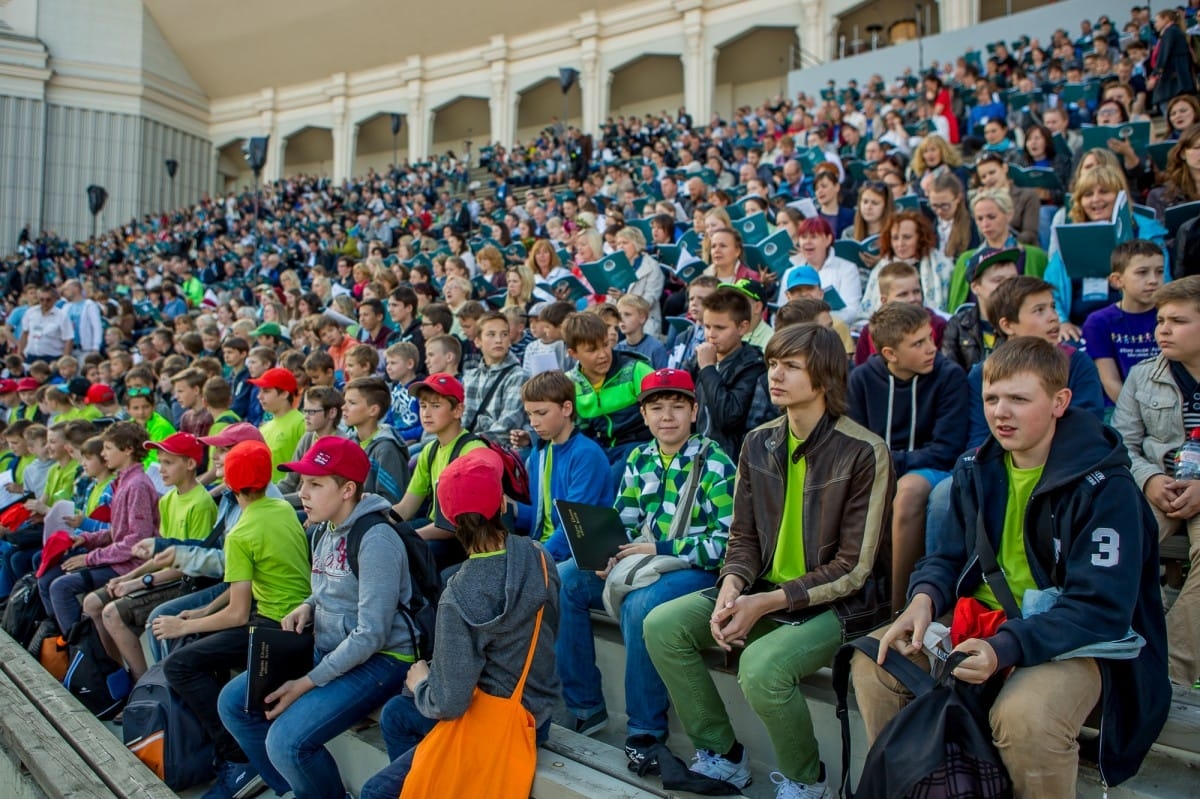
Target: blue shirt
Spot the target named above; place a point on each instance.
(1127, 338)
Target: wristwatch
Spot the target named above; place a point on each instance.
(148, 580)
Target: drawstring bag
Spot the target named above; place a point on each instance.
(491, 750)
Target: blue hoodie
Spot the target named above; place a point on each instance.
(1085, 533)
(579, 472)
(920, 419)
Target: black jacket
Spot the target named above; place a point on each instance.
(962, 341)
(725, 392)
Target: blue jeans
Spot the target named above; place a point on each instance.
(403, 727)
(17, 563)
(289, 752)
(173, 607)
(646, 699)
(60, 592)
(937, 510)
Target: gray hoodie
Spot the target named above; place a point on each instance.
(484, 628)
(355, 618)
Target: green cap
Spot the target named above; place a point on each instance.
(268, 329)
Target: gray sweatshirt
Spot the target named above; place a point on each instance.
(353, 618)
(484, 628)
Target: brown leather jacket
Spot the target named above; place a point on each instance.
(849, 485)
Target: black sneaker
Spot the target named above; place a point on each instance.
(593, 723)
(636, 748)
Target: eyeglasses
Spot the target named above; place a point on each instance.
(941, 206)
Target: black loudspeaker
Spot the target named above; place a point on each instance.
(566, 78)
(397, 123)
(172, 168)
(97, 196)
(255, 150)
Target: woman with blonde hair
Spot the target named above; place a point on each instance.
(491, 265)
(992, 210)
(716, 219)
(543, 263)
(650, 278)
(1094, 198)
(519, 281)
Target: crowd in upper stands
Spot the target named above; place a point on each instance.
(874, 305)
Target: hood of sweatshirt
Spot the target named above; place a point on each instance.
(497, 607)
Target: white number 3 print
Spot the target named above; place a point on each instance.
(1108, 547)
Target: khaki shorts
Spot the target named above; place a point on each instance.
(133, 609)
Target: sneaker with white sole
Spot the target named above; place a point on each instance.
(593, 723)
(787, 789)
(718, 767)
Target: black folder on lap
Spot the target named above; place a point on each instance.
(274, 657)
(594, 533)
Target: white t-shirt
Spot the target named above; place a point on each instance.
(50, 334)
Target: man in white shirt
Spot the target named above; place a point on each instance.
(84, 314)
(46, 331)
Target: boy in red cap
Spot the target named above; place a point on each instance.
(506, 579)
(267, 569)
(104, 399)
(28, 408)
(277, 392)
(440, 397)
(355, 586)
(186, 512)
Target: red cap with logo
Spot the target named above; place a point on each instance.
(332, 456)
(277, 378)
(663, 381)
(440, 383)
(185, 445)
(99, 393)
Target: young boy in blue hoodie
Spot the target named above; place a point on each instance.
(913, 398)
(1068, 524)
(563, 464)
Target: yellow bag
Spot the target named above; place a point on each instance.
(491, 750)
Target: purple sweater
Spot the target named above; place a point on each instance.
(134, 517)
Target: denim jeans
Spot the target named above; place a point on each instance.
(17, 563)
(403, 727)
(646, 699)
(289, 752)
(60, 592)
(173, 607)
(937, 511)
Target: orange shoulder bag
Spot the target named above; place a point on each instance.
(491, 750)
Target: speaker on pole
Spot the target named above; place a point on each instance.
(97, 196)
(567, 78)
(397, 123)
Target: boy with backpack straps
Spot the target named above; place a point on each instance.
(1052, 492)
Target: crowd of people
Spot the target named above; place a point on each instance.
(857, 335)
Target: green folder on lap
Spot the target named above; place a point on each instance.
(610, 272)
(834, 299)
(852, 251)
(1159, 151)
(1034, 178)
(754, 228)
(772, 253)
(1097, 136)
(690, 241)
(643, 225)
(566, 288)
(1177, 215)
(1079, 93)
(1086, 248)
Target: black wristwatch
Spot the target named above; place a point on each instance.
(148, 580)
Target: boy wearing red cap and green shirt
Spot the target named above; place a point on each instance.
(267, 569)
(277, 391)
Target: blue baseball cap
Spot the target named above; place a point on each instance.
(802, 276)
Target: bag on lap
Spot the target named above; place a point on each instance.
(165, 735)
(24, 611)
(99, 683)
(938, 747)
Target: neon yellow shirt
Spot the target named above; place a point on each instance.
(788, 562)
(1012, 557)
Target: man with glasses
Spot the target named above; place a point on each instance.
(46, 331)
(322, 410)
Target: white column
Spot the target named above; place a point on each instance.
(276, 150)
(815, 33)
(345, 136)
(957, 14)
(593, 97)
(418, 141)
(501, 106)
(699, 67)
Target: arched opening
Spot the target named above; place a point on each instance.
(880, 23)
(752, 67)
(309, 151)
(541, 104)
(648, 84)
(233, 173)
(461, 120)
(376, 147)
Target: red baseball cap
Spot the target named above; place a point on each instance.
(662, 381)
(332, 455)
(441, 383)
(57, 545)
(234, 434)
(8, 386)
(248, 466)
(472, 484)
(184, 445)
(277, 378)
(97, 393)
(28, 384)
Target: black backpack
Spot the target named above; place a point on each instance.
(24, 611)
(516, 477)
(96, 680)
(164, 733)
(420, 611)
(938, 747)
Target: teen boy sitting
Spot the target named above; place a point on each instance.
(493, 388)
(564, 463)
(1156, 412)
(607, 385)
(915, 399)
(277, 391)
(727, 369)
(811, 512)
(367, 400)
(676, 499)
(898, 282)
(1063, 514)
(969, 336)
(1122, 334)
(267, 569)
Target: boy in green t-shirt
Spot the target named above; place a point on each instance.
(139, 404)
(60, 479)
(186, 513)
(267, 569)
(277, 391)
(440, 397)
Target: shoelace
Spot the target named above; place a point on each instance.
(786, 788)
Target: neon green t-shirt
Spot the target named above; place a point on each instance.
(189, 516)
(223, 420)
(60, 481)
(282, 434)
(788, 562)
(546, 509)
(157, 428)
(1013, 559)
(267, 547)
(424, 479)
(95, 494)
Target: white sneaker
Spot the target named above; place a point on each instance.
(786, 789)
(717, 767)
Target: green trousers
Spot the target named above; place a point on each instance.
(777, 656)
